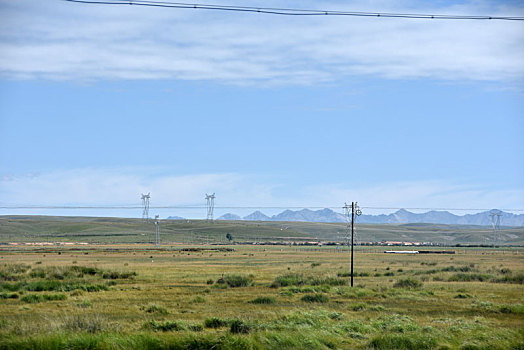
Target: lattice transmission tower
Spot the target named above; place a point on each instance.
(495, 216)
(145, 206)
(210, 198)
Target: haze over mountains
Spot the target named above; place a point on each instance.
(401, 216)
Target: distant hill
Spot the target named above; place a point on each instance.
(401, 216)
(257, 216)
(229, 216)
(307, 215)
(175, 218)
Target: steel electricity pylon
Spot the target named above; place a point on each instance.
(145, 206)
(210, 198)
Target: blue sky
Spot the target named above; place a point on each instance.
(99, 104)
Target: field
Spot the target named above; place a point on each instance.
(119, 292)
(136, 297)
(120, 230)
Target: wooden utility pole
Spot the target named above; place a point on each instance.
(352, 237)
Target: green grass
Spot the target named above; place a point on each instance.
(263, 300)
(129, 312)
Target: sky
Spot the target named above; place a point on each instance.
(99, 104)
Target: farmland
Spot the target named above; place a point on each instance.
(202, 296)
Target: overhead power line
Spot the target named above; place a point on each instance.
(291, 11)
(134, 207)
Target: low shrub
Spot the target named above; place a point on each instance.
(315, 298)
(234, 281)
(468, 277)
(113, 275)
(515, 279)
(295, 279)
(195, 327)
(215, 322)
(462, 296)
(165, 326)
(37, 298)
(155, 309)
(402, 342)
(516, 309)
(239, 326)
(355, 274)
(290, 279)
(263, 300)
(358, 306)
(9, 295)
(457, 269)
(408, 283)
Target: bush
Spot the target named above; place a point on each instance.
(113, 275)
(155, 309)
(462, 296)
(195, 328)
(37, 298)
(468, 277)
(263, 300)
(402, 341)
(9, 295)
(516, 279)
(239, 326)
(295, 279)
(237, 280)
(165, 326)
(457, 269)
(517, 309)
(358, 306)
(408, 283)
(315, 298)
(290, 279)
(215, 322)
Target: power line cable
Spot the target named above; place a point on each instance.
(292, 11)
(134, 207)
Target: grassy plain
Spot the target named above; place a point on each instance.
(127, 230)
(273, 297)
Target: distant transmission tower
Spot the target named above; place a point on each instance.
(157, 231)
(495, 215)
(145, 205)
(210, 198)
(347, 214)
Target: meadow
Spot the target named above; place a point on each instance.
(135, 296)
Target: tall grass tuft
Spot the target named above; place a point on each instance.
(85, 323)
(315, 298)
(402, 342)
(408, 283)
(215, 322)
(263, 300)
(165, 326)
(234, 281)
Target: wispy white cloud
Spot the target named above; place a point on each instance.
(102, 187)
(59, 40)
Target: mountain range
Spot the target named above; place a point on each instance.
(401, 216)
